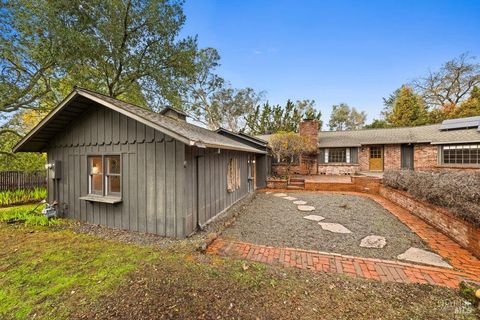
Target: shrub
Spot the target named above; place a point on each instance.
(27, 215)
(457, 191)
(20, 196)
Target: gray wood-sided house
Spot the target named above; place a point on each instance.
(120, 165)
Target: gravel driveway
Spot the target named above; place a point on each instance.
(275, 221)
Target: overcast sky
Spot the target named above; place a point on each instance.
(333, 51)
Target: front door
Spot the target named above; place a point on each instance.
(376, 158)
(407, 156)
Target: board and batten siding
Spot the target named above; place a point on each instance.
(206, 181)
(152, 168)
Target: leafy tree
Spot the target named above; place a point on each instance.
(125, 49)
(345, 118)
(20, 124)
(377, 123)
(408, 109)
(209, 99)
(451, 84)
(267, 119)
(470, 107)
(288, 146)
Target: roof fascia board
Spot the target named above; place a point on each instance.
(218, 146)
(455, 142)
(262, 144)
(45, 120)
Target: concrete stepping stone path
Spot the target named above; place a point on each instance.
(280, 194)
(373, 241)
(314, 217)
(306, 208)
(290, 198)
(300, 202)
(423, 256)
(334, 227)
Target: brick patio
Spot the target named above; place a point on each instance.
(465, 265)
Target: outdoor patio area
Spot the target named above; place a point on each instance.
(357, 234)
(327, 222)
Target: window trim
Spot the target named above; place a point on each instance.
(90, 176)
(112, 195)
(462, 147)
(107, 175)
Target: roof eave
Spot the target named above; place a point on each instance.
(19, 145)
(453, 142)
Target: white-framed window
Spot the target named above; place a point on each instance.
(104, 175)
(467, 154)
(338, 155)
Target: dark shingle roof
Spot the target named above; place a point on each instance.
(188, 133)
(421, 134)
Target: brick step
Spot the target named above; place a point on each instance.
(297, 180)
(297, 183)
(296, 187)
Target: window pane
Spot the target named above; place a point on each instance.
(113, 184)
(113, 164)
(96, 166)
(97, 184)
(337, 155)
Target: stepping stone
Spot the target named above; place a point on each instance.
(314, 218)
(306, 208)
(280, 194)
(268, 192)
(334, 227)
(290, 198)
(372, 241)
(423, 256)
(300, 202)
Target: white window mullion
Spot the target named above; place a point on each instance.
(347, 152)
(326, 155)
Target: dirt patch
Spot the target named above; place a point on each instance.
(193, 242)
(274, 221)
(208, 287)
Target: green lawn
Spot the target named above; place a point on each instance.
(43, 271)
(55, 273)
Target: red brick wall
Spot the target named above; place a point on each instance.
(425, 157)
(392, 157)
(338, 169)
(363, 158)
(462, 232)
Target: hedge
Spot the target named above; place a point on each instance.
(459, 192)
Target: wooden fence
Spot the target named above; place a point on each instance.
(11, 180)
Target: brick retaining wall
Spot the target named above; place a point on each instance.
(461, 231)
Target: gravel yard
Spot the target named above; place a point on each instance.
(275, 221)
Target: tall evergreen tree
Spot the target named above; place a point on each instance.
(408, 109)
(267, 119)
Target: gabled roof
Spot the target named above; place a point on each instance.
(243, 136)
(74, 104)
(420, 134)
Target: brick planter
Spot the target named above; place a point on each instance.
(274, 183)
(457, 229)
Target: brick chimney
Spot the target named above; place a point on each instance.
(309, 128)
(308, 163)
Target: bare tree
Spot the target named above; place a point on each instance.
(451, 84)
